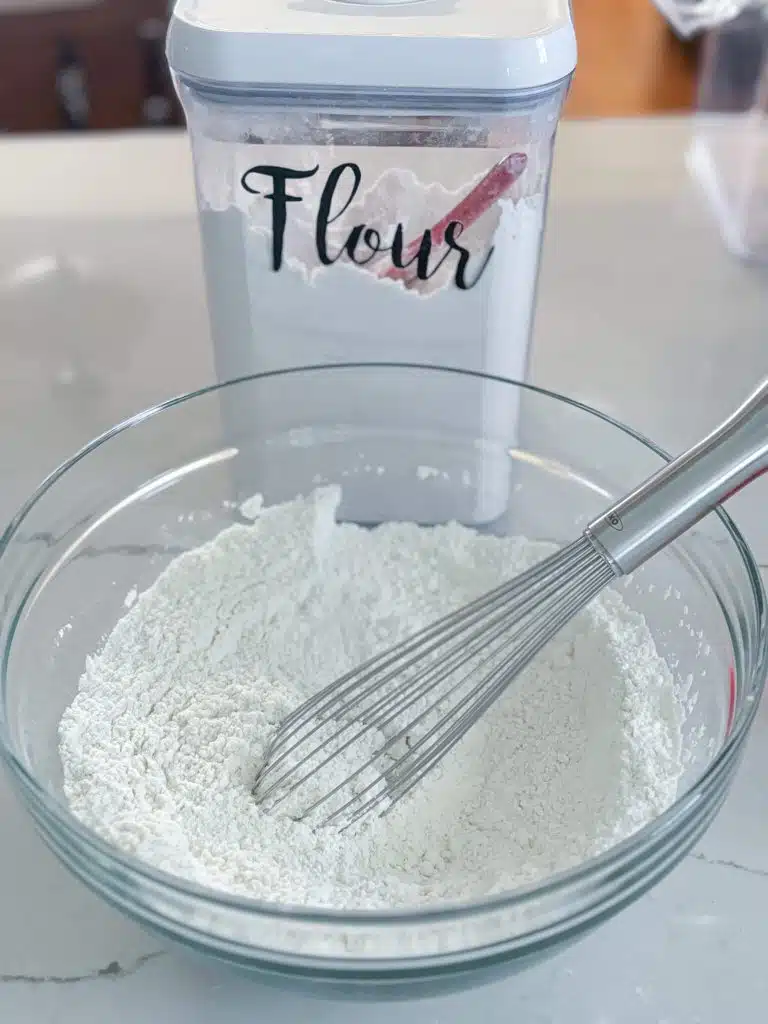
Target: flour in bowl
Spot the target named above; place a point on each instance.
(161, 745)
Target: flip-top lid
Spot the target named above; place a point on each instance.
(454, 45)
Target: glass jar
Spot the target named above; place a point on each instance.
(729, 151)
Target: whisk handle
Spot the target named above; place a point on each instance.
(686, 489)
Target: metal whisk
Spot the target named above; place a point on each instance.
(361, 744)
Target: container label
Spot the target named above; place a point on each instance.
(422, 236)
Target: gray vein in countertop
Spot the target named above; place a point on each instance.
(132, 549)
(49, 539)
(718, 862)
(113, 972)
(118, 549)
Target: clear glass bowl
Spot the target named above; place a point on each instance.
(404, 442)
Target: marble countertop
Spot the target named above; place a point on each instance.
(642, 313)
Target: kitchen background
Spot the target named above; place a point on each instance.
(643, 311)
(98, 64)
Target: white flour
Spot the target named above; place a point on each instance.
(161, 744)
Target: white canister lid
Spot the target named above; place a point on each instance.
(453, 45)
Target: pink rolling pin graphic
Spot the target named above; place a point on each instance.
(493, 186)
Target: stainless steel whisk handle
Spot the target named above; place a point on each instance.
(685, 490)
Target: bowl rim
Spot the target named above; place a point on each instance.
(622, 854)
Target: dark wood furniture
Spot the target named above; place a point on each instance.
(103, 67)
(99, 67)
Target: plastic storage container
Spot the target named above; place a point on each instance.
(729, 152)
(372, 181)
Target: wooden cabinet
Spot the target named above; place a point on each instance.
(97, 66)
(100, 64)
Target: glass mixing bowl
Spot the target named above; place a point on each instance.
(413, 442)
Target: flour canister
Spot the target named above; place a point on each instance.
(372, 181)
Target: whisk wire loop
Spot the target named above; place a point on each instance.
(425, 667)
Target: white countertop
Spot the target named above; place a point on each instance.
(642, 313)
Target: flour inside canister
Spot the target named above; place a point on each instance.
(172, 717)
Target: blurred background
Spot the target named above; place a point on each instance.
(74, 65)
